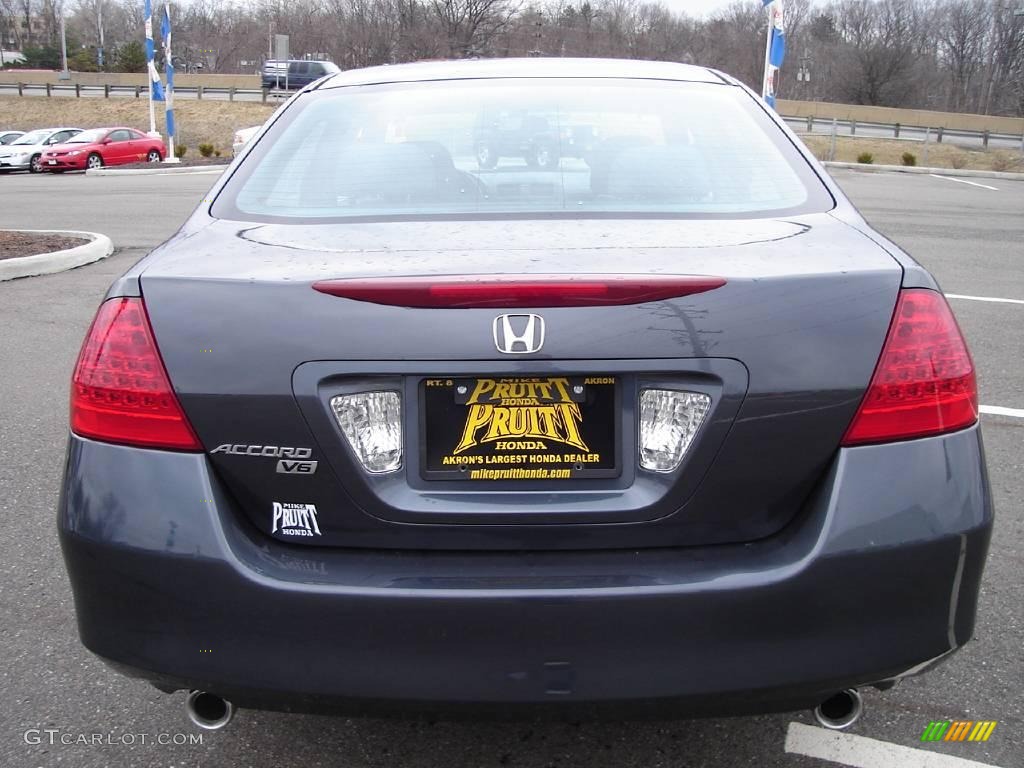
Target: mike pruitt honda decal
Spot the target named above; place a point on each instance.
(295, 520)
(521, 428)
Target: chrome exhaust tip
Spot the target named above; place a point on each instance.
(841, 710)
(208, 710)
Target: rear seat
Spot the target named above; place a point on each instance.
(666, 173)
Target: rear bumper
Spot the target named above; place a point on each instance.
(877, 577)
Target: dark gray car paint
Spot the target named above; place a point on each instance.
(866, 579)
(860, 588)
(804, 312)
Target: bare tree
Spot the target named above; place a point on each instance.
(470, 25)
(1004, 83)
(50, 12)
(9, 21)
(961, 38)
(876, 50)
(736, 40)
(937, 54)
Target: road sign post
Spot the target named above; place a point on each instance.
(281, 54)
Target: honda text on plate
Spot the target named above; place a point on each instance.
(659, 426)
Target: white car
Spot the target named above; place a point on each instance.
(242, 137)
(25, 153)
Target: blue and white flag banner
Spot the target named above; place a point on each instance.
(165, 32)
(156, 88)
(775, 48)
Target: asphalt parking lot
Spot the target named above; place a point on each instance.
(971, 235)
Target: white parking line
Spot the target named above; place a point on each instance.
(862, 752)
(984, 298)
(998, 410)
(994, 410)
(963, 181)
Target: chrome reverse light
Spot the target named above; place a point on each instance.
(372, 425)
(668, 422)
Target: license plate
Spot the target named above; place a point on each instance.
(52, 162)
(520, 428)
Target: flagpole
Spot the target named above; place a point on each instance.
(165, 31)
(154, 86)
(767, 53)
(152, 111)
(147, 20)
(774, 49)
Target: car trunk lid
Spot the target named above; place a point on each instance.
(784, 349)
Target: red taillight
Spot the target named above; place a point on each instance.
(517, 291)
(120, 392)
(924, 382)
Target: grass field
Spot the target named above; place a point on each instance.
(890, 152)
(198, 122)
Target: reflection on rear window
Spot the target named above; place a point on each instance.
(88, 137)
(35, 137)
(521, 146)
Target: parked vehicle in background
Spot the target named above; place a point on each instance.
(296, 73)
(670, 431)
(530, 136)
(98, 147)
(6, 137)
(24, 154)
(272, 69)
(242, 137)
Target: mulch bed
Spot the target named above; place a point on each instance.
(186, 162)
(16, 244)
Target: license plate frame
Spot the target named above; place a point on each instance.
(560, 443)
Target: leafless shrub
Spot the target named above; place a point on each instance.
(1004, 161)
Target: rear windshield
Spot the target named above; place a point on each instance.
(491, 147)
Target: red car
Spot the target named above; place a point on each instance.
(103, 146)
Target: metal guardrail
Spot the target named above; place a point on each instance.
(138, 91)
(896, 128)
(265, 95)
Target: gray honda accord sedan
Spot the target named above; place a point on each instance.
(637, 417)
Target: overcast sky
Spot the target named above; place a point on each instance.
(696, 7)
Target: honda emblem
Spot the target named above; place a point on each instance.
(518, 334)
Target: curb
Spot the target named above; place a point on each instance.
(98, 247)
(917, 169)
(155, 171)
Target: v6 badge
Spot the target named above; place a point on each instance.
(296, 467)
